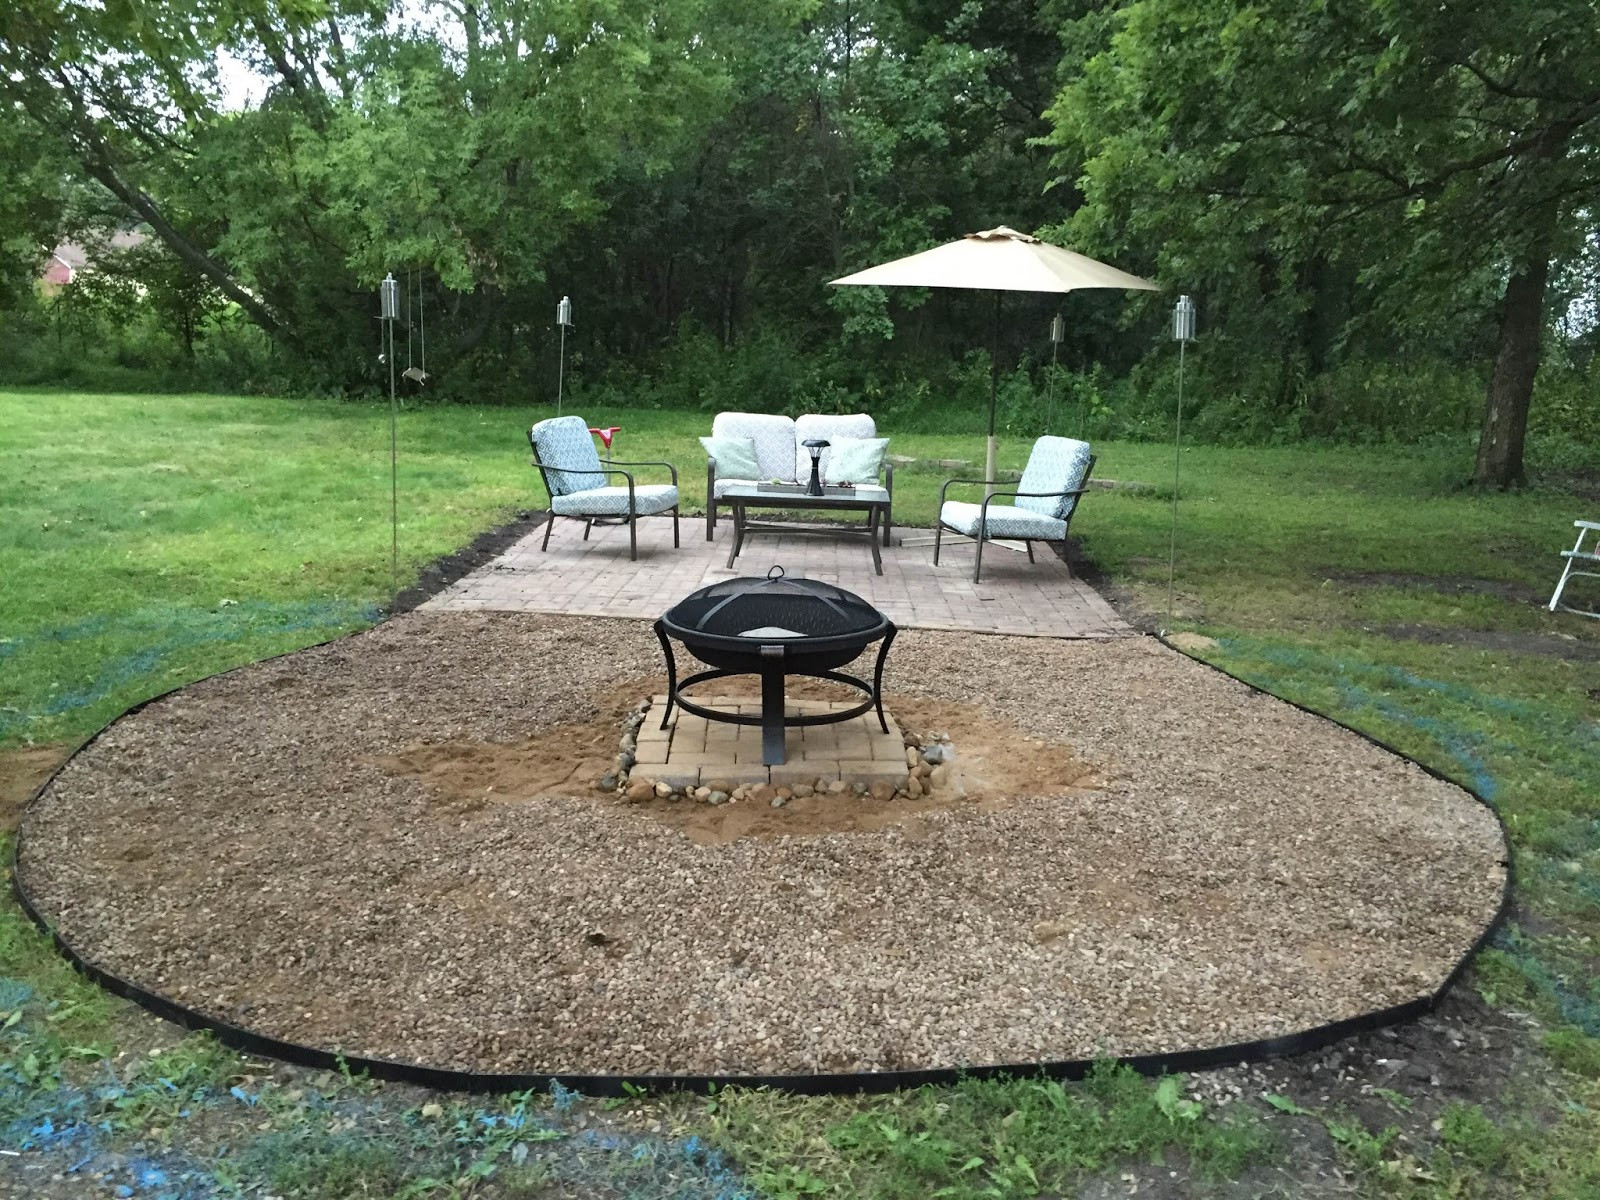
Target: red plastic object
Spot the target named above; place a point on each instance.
(607, 433)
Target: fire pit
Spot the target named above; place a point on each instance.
(774, 627)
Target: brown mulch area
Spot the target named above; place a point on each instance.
(1238, 869)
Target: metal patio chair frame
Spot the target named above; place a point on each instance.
(983, 517)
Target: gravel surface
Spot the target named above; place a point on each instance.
(1239, 869)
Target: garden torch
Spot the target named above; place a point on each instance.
(1183, 334)
(1058, 334)
(563, 322)
(389, 313)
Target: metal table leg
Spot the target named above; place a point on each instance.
(737, 540)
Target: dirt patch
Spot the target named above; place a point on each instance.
(567, 760)
(1240, 870)
(995, 763)
(1550, 644)
(21, 773)
(446, 569)
(1448, 585)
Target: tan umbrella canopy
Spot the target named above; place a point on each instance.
(997, 260)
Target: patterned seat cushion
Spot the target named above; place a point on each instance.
(1056, 464)
(773, 438)
(613, 501)
(566, 442)
(828, 427)
(1005, 521)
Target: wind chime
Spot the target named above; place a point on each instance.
(1183, 334)
(416, 370)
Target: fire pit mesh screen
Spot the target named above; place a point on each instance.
(775, 608)
(774, 627)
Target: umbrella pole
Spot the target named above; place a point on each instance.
(989, 466)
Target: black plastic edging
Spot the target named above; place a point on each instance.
(826, 1083)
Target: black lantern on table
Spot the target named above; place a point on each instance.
(816, 446)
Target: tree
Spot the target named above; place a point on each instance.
(458, 139)
(1414, 147)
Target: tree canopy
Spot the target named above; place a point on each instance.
(1345, 186)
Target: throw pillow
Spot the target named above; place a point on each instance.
(736, 457)
(854, 460)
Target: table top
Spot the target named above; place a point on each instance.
(795, 494)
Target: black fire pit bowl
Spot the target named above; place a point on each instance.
(771, 628)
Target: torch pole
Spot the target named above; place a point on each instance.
(1183, 334)
(1177, 466)
(388, 313)
(563, 319)
(561, 369)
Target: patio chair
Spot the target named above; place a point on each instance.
(576, 480)
(1575, 556)
(1046, 497)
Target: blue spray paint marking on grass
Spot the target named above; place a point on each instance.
(170, 630)
(85, 1130)
(1361, 686)
(1468, 748)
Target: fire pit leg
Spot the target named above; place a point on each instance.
(877, 676)
(672, 671)
(772, 752)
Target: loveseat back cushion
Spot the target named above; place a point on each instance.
(828, 427)
(773, 438)
(1056, 464)
(854, 460)
(566, 442)
(735, 457)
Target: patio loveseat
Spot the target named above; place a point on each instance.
(781, 455)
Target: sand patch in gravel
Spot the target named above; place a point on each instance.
(1241, 869)
(996, 763)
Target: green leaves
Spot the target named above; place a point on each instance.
(1171, 1102)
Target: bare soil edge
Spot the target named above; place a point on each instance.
(445, 570)
(1200, 1058)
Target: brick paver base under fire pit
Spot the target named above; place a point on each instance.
(692, 751)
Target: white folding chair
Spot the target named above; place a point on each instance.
(1575, 556)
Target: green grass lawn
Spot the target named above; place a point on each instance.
(151, 540)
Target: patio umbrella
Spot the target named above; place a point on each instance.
(997, 260)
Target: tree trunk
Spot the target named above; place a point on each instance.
(1516, 362)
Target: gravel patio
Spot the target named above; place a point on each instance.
(392, 846)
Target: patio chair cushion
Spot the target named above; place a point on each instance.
(828, 427)
(734, 455)
(1056, 464)
(773, 438)
(565, 442)
(1005, 521)
(853, 460)
(648, 498)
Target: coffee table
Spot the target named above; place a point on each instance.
(867, 498)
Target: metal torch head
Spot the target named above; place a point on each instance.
(389, 298)
(1183, 320)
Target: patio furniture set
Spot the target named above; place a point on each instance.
(813, 463)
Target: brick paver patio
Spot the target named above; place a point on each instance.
(692, 751)
(595, 578)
